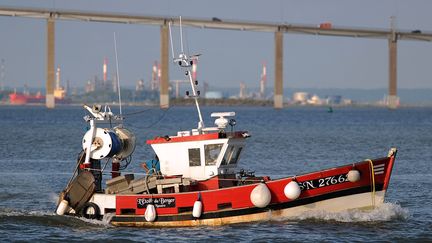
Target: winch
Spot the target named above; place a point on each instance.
(117, 142)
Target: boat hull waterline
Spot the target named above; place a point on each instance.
(355, 201)
(326, 190)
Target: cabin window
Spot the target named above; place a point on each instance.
(227, 155)
(212, 152)
(194, 157)
(236, 155)
(232, 155)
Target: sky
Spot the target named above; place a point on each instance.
(228, 57)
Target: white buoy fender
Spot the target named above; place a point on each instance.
(62, 207)
(260, 196)
(197, 209)
(353, 176)
(150, 213)
(292, 190)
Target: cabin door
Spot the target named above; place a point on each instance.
(196, 165)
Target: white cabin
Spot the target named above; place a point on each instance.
(201, 154)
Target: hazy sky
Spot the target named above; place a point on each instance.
(228, 56)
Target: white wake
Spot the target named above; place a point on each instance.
(385, 212)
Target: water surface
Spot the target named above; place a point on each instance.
(39, 149)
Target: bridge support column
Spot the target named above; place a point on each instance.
(392, 99)
(50, 100)
(164, 79)
(278, 85)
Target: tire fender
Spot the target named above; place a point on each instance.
(90, 211)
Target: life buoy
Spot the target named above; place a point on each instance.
(90, 211)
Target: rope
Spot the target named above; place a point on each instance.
(106, 172)
(76, 170)
(137, 112)
(106, 163)
(372, 181)
(147, 174)
(145, 110)
(160, 118)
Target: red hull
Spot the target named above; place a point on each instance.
(18, 99)
(22, 99)
(235, 200)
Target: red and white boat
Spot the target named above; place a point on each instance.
(194, 179)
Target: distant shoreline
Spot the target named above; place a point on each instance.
(222, 102)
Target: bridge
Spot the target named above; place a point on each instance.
(279, 29)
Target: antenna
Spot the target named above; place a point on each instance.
(118, 74)
(170, 34)
(186, 62)
(181, 36)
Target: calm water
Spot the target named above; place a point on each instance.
(38, 149)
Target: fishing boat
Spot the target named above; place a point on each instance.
(194, 179)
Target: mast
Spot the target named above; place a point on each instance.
(195, 94)
(186, 62)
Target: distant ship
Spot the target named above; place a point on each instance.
(26, 98)
(22, 99)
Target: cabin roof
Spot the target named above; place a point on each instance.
(199, 137)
